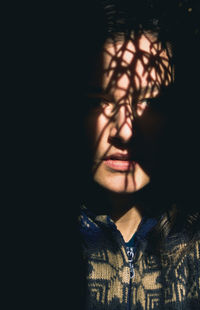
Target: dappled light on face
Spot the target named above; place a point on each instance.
(134, 65)
(133, 73)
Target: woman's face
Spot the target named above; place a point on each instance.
(131, 75)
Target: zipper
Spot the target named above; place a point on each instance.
(131, 257)
(129, 296)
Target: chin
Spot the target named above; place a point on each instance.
(124, 184)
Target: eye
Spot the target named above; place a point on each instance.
(98, 99)
(96, 103)
(141, 106)
(108, 107)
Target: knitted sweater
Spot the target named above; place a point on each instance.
(168, 283)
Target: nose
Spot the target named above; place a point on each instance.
(122, 126)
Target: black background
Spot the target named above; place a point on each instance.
(47, 57)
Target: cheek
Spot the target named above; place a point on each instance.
(159, 76)
(96, 129)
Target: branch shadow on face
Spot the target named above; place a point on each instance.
(147, 72)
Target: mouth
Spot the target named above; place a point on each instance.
(119, 162)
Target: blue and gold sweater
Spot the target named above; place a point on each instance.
(119, 280)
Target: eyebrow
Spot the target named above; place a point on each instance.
(94, 89)
(95, 92)
(99, 92)
(148, 90)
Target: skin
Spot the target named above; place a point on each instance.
(127, 81)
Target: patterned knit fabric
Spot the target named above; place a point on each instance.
(169, 283)
(131, 246)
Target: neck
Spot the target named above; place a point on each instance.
(125, 214)
(124, 209)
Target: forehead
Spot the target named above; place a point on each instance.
(147, 43)
(136, 62)
(146, 48)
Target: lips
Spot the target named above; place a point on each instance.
(119, 162)
(118, 156)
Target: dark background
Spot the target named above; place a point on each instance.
(49, 53)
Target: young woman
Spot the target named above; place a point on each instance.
(141, 250)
